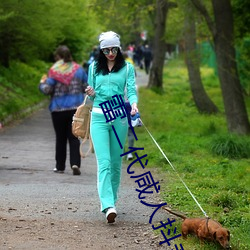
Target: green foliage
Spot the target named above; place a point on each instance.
(219, 183)
(241, 17)
(175, 25)
(243, 59)
(224, 200)
(128, 18)
(231, 146)
(29, 33)
(19, 87)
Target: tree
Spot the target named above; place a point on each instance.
(242, 33)
(241, 17)
(128, 18)
(159, 44)
(23, 33)
(201, 99)
(223, 38)
(28, 33)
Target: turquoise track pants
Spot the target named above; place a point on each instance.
(108, 151)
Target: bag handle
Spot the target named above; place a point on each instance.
(85, 99)
(83, 155)
(87, 137)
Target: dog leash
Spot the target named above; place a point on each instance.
(175, 170)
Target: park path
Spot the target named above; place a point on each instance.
(40, 209)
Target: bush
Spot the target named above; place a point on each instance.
(19, 88)
(231, 146)
(224, 200)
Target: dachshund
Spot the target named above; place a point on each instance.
(204, 229)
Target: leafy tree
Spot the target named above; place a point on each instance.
(221, 28)
(78, 28)
(201, 99)
(175, 24)
(28, 33)
(126, 17)
(24, 32)
(156, 72)
(241, 18)
(242, 33)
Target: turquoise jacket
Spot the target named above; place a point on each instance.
(114, 83)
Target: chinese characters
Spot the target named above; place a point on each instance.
(112, 110)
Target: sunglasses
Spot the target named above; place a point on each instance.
(106, 51)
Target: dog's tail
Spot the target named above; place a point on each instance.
(175, 213)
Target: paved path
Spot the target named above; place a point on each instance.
(26, 163)
(141, 78)
(31, 193)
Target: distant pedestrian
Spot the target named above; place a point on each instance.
(93, 55)
(65, 84)
(107, 78)
(147, 55)
(131, 138)
(138, 56)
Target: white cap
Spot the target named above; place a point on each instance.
(109, 39)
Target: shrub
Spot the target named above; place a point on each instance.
(224, 200)
(231, 146)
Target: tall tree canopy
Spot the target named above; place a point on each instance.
(126, 17)
(27, 32)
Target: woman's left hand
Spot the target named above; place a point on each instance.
(134, 109)
(90, 91)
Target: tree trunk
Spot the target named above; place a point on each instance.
(201, 99)
(235, 109)
(159, 46)
(223, 38)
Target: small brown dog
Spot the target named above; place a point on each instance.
(204, 228)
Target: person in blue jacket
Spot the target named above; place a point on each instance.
(65, 83)
(108, 76)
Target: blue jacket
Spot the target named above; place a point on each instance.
(65, 97)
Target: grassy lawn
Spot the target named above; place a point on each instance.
(214, 164)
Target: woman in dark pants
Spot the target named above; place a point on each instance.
(65, 83)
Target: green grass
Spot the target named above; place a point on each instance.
(19, 88)
(214, 164)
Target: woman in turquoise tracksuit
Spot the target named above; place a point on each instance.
(109, 75)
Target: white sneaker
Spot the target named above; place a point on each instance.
(76, 170)
(111, 214)
(58, 171)
(129, 157)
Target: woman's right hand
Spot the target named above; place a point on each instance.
(90, 91)
(134, 109)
